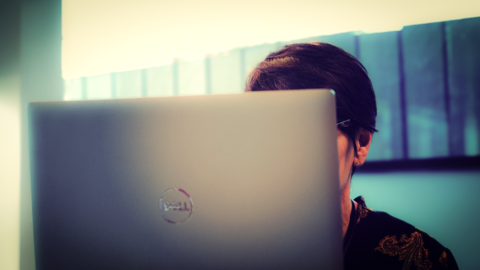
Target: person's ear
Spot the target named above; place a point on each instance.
(363, 140)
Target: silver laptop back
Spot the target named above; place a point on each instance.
(247, 181)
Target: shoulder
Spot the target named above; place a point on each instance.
(381, 241)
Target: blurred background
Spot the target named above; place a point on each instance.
(423, 58)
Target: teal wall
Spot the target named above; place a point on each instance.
(443, 204)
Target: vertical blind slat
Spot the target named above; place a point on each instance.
(463, 50)
(424, 90)
(379, 55)
(98, 87)
(226, 72)
(128, 84)
(159, 81)
(191, 77)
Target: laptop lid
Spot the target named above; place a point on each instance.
(245, 181)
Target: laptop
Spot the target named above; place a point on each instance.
(239, 181)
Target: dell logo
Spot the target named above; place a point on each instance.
(168, 206)
(176, 206)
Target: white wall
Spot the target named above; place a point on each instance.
(103, 36)
(9, 155)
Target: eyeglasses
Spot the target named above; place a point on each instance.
(345, 123)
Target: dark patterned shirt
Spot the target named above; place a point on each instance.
(376, 240)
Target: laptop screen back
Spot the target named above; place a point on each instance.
(247, 181)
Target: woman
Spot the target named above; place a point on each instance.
(372, 240)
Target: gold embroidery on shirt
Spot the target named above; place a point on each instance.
(362, 213)
(410, 250)
(362, 210)
(443, 259)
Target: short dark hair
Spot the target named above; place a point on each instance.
(321, 65)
